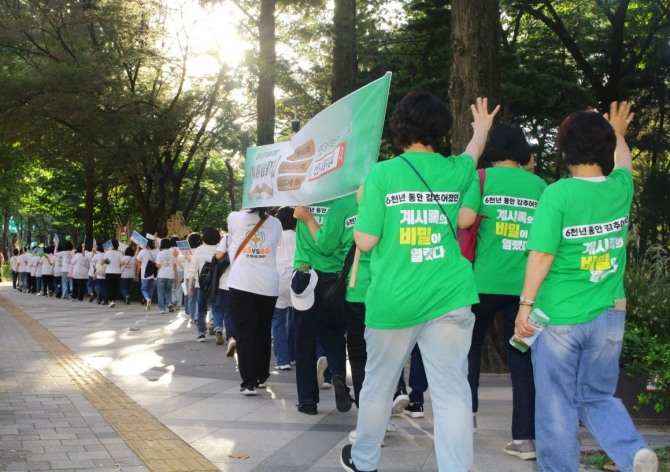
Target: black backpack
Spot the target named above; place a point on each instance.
(210, 274)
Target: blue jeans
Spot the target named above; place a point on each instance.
(221, 313)
(191, 303)
(280, 335)
(177, 291)
(90, 286)
(201, 309)
(126, 287)
(66, 285)
(147, 287)
(444, 344)
(576, 372)
(102, 293)
(417, 377)
(164, 287)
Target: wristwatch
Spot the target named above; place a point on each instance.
(525, 301)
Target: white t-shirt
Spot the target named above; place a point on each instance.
(143, 257)
(57, 266)
(23, 262)
(32, 264)
(166, 261)
(80, 266)
(255, 270)
(285, 254)
(115, 258)
(48, 264)
(14, 263)
(128, 270)
(223, 247)
(95, 262)
(65, 261)
(201, 255)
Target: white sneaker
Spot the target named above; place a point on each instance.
(326, 386)
(321, 366)
(111, 304)
(645, 460)
(400, 401)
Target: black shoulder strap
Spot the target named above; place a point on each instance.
(349, 260)
(435, 199)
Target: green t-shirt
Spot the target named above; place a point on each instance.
(417, 270)
(333, 239)
(584, 224)
(510, 198)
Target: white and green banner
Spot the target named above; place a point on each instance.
(328, 158)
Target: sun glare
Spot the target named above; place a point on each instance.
(211, 33)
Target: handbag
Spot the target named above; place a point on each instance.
(101, 269)
(150, 270)
(335, 289)
(467, 238)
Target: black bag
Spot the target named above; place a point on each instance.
(210, 274)
(204, 276)
(150, 270)
(335, 289)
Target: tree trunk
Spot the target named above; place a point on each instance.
(345, 61)
(231, 185)
(475, 66)
(267, 77)
(89, 205)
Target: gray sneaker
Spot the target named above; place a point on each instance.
(524, 450)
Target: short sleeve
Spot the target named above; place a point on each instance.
(472, 198)
(371, 209)
(546, 231)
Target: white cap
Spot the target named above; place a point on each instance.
(304, 300)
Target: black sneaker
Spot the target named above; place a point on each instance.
(346, 460)
(415, 410)
(343, 399)
(127, 299)
(307, 408)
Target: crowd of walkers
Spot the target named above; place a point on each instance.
(374, 279)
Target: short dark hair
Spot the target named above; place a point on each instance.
(210, 236)
(507, 141)
(586, 137)
(165, 244)
(286, 218)
(173, 240)
(129, 251)
(421, 117)
(194, 240)
(115, 243)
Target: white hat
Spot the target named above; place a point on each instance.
(302, 289)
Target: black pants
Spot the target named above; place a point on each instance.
(47, 284)
(112, 283)
(252, 316)
(356, 347)
(520, 365)
(15, 278)
(79, 288)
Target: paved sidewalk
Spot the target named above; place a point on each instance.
(124, 389)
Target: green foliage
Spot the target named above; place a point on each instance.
(646, 349)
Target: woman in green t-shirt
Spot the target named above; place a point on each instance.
(421, 288)
(507, 205)
(574, 275)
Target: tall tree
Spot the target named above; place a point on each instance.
(267, 78)
(475, 65)
(345, 61)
